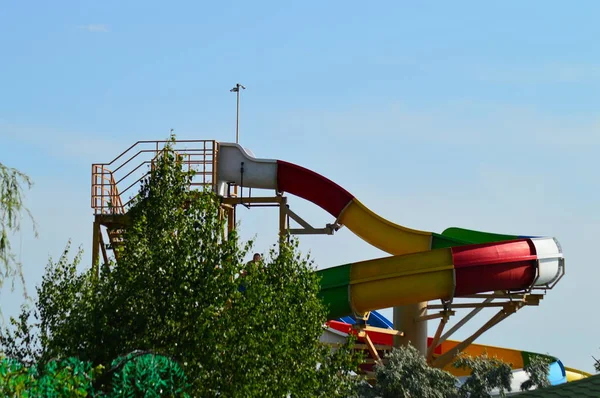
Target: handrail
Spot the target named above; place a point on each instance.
(108, 185)
(148, 142)
(133, 157)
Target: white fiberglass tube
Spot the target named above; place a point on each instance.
(550, 260)
(236, 165)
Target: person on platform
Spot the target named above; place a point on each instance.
(255, 259)
(255, 262)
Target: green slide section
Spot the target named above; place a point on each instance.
(335, 288)
(442, 242)
(469, 236)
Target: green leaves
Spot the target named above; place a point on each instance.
(66, 378)
(11, 209)
(487, 374)
(272, 342)
(537, 369)
(137, 374)
(407, 374)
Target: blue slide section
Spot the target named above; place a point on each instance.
(558, 374)
(375, 319)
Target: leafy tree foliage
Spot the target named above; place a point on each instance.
(67, 378)
(137, 374)
(487, 374)
(407, 375)
(176, 290)
(537, 369)
(12, 182)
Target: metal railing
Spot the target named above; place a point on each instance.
(124, 174)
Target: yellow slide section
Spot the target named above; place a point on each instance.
(514, 357)
(401, 280)
(574, 374)
(381, 233)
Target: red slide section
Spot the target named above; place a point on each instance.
(507, 265)
(377, 338)
(313, 187)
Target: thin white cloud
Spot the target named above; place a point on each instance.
(95, 28)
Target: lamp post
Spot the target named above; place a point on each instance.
(236, 90)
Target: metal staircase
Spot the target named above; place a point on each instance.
(122, 176)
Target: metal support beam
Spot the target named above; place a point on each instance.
(497, 295)
(298, 219)
(283, 218)
(284, 210)
(367, 328)
(510, 308)
(308, 229)
(535, 301)
(436, 337)
(230, 218)
(256, 199)
(462, 322)
(441, 314)
(96, 247)
(102, 246)
(311, 231)
(370, 347)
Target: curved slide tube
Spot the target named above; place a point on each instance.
(425, 265)
(439, 274)
(575, 374)
(238, 166)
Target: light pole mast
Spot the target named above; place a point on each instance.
(236, 90)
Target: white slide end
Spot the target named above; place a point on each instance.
(239, 166)
(550, 259)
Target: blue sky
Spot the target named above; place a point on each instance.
(470, 114)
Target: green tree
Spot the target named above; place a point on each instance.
(176, 291)
(487, 374)
(538, 370)
(12, 182)
(407, 375)
(62, 316)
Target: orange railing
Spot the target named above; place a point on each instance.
(123, 175)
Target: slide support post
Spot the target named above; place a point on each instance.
(283, 227)
(406, 320)
(96, 235)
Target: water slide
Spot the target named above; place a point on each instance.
(423, 266)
